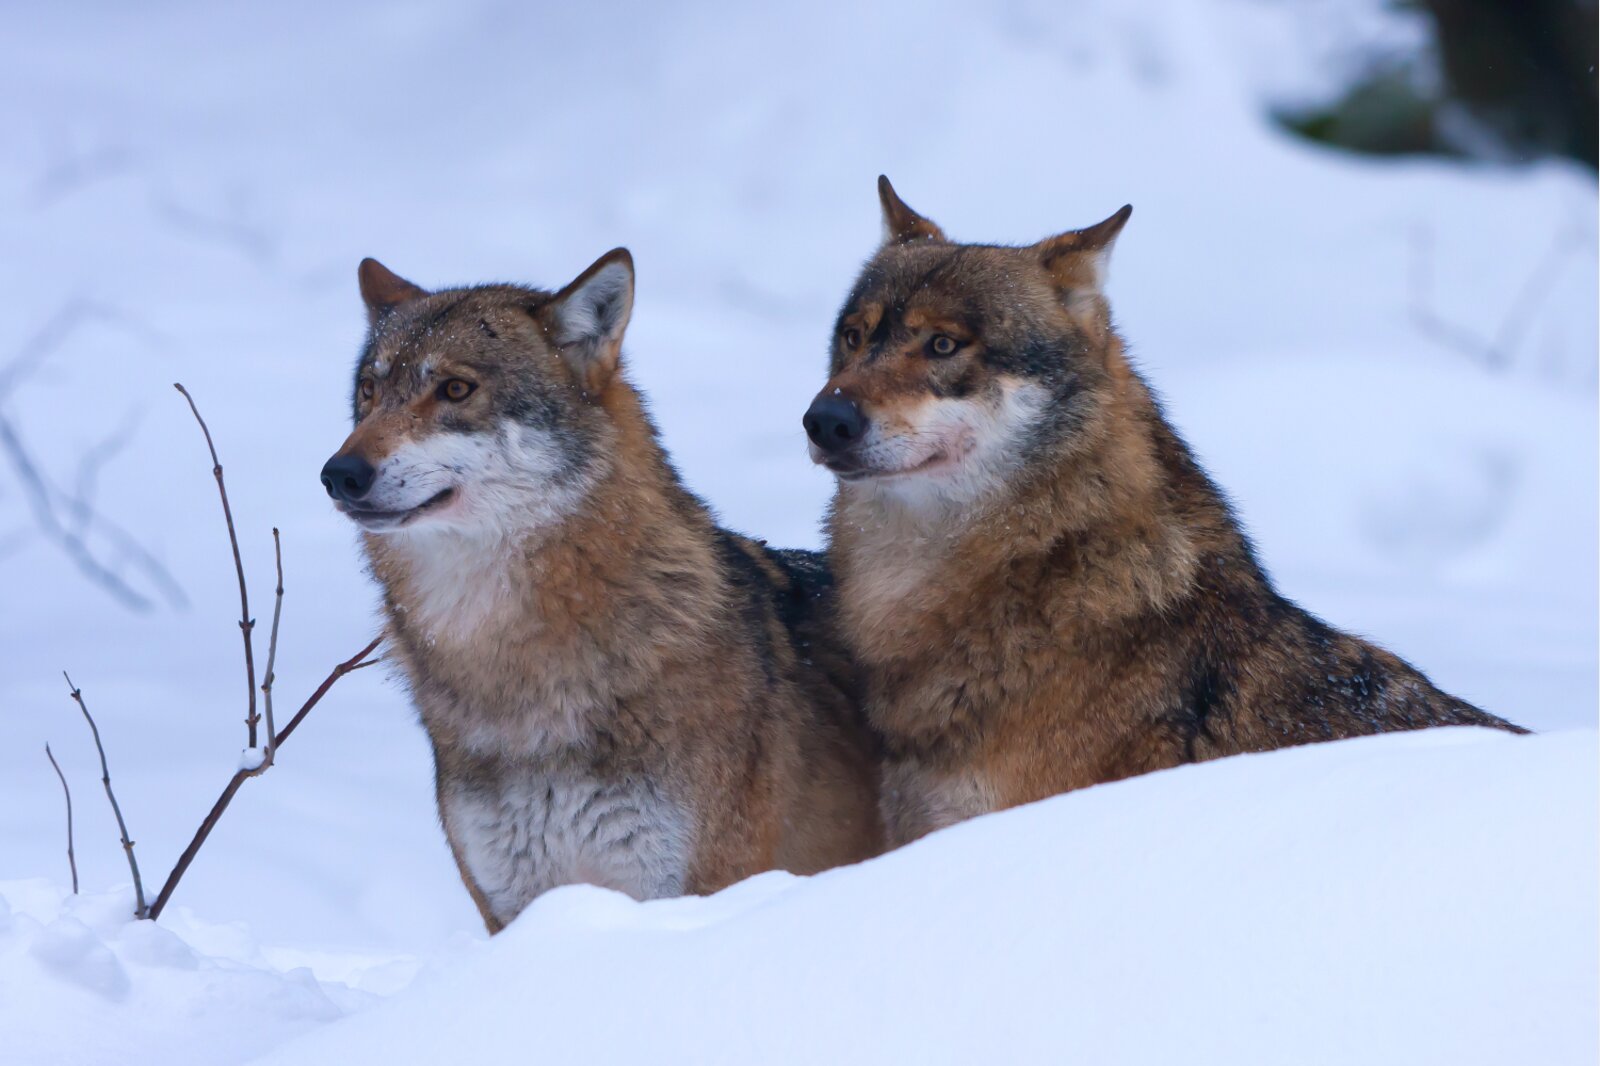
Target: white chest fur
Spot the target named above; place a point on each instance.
(530, 830)
(458, 585)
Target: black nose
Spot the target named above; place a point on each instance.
(834, 423)
(347, 477)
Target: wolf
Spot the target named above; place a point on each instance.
(617, 691)
(1042, 586)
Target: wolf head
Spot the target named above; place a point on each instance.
(954, 365)
(476, 410)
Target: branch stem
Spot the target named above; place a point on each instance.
(140, 910)
(272, 654)
(72, 860)
(246, 623)
(355, 662)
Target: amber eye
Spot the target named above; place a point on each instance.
(852, 338)
(367, 388)
(943, 345)
(455, 390)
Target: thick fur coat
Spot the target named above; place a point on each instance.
(1043, 587)
(617, 691)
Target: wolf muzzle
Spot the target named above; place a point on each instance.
(834, 423)
(348, 477)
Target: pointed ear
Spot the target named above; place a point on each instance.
(383, 290)
(586, 319)
(901, 225)
(1078, 258)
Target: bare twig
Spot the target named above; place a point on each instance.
(272, 652)
(41, 501)
(1535, 288)
(359, 661)
(1494, 353)
(71, 522)
(253, 239)
(355, 662)
(73, 168)
(67, 320)
(90, 463)
(72, 860)
(140, 910)
(246, 623)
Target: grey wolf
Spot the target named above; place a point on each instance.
(1042, 586)
(617, 691)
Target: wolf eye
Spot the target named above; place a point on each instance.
(852, 337)
(455, 390)
(366, 388)
(943, 345)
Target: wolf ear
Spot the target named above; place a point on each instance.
(901, 225)
(383, 290)
(586, 319)
(1078, 258)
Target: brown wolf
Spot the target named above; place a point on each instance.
(618, 692)
(1044, 589)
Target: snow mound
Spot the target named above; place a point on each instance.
(81, 982)
(1408, 898)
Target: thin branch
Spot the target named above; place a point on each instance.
(70, 168)
(60, 327)
(90, 463)
(1535, 288)
(355, 662)
(246, 623)
(40, 501)
(50, 336)
(1496, 353)
(272, 652)
(71, 521)
(72, 860)
(46, 502)
(140, 911)
(1428, 321)
(252, 239)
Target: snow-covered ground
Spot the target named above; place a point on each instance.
(1390, 364)
(1402, 899)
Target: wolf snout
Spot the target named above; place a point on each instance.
(348, 477)
(834, 423)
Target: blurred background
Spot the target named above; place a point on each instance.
(1361, 271)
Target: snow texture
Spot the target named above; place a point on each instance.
(1399, 900)
(1389, 364)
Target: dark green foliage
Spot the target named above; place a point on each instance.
(1516, 80)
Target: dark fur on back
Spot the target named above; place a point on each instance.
(1073, 601)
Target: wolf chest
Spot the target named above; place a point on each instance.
(527, 831)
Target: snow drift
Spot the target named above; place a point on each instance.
(1423, 897)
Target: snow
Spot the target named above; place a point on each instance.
(252, 758)
(1400, 899)
(81, 982)
(1414, 897)
(185, 198)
